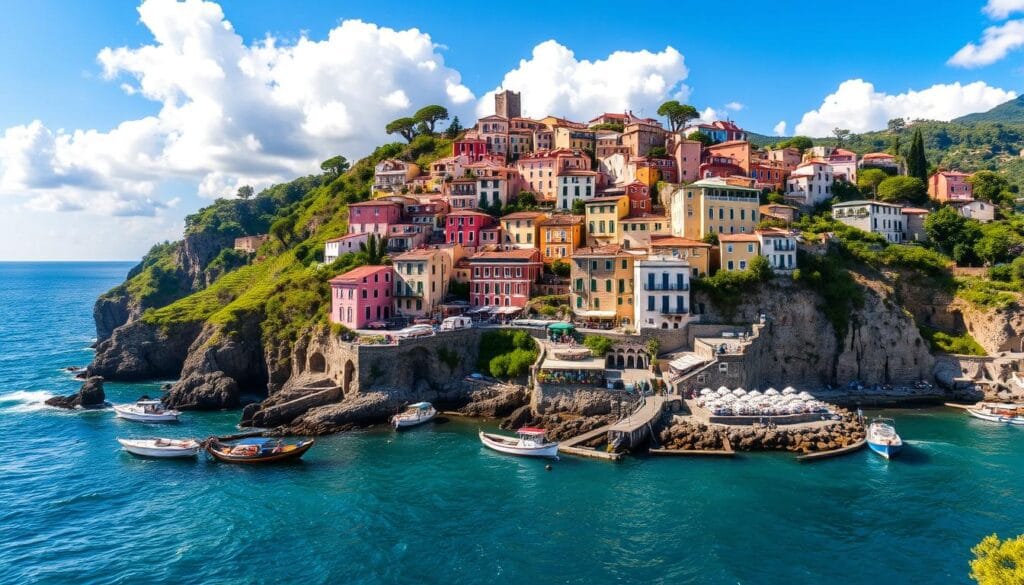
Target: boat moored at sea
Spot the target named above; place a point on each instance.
(529, 442)
(146, 411)
(1009, 414)
(257, 450)
(414, 414)
(161, 448)
(882, 437)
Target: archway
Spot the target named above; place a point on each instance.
(621, 361)
(350, 374)
(317, 363)
(629, 362)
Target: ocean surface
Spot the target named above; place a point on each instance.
(432, 506)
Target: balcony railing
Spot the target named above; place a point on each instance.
(674, 311)
(667, 286)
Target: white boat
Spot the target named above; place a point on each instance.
(414, 414)
(882, 437)
(161, 448)
(1010, 414)
(146, 411)
(529, 443)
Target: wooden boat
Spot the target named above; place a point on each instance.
(414, 414)
(1010, 414)
(146, 411)
(257, 450)
(161, 448)
(530, 442)
(882, 437)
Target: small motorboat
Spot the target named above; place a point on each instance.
(530, 442)
(257, 450)
(146, 411)
(414, 414)
(882, 437)
(161, 448)
(1009, 414)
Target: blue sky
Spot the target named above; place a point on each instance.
(776, 65)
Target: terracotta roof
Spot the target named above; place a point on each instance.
(603, 199)
(609, 250)
(348, 237)
(666, 241)
(466, 212)
(773, 232)
(417, 254)
(952, 174)
(563, 219)
(737, 238)
(374, 202)
(357, 274)
(915, 211)
(643, 217)
(877, 155)
(523, 215)
(729, 143)
(526, 254)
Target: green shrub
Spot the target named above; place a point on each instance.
(962, 344)
(598, 344)
(498, 352)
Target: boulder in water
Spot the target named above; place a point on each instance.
(91, 395)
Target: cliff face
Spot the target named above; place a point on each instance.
(196, 251)
(137, 351)
(798, 345)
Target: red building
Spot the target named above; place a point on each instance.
(720, 166)
(373, 216)
(474, 148)
(463, 227)
(639, 198)
(769, 174)
(503, 278)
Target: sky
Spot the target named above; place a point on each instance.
(119, 118)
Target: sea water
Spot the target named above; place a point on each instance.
(430, 505)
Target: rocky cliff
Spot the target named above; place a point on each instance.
(138, 351)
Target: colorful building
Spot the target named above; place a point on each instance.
(718, 205)
(461, 193)
(718, 131)
(503, 278)
(810, 183)
(602, 284)
(560, 236)
(779, 247)
(696, 253)
(687, 155)
(876, 217)
(493, 130)
(720, 166)
(361, 296)
(393, 175)
(336, 247)
(602, 216)
(639, 196)
(661, 293)
(540, 170)
(737, 250)
(463, 227)
(421, 281)
(737, 150)
(373, 216)
(573, 185)
(881, 160)
(946, 186)
(636, 230)
(640, 136)
(475, 149)
(522, 229)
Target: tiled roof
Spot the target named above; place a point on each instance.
(666, 241)
(357, 274)
(562, 219)
(737, 238)
(524, 215)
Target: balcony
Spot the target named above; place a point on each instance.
(408, 294)
(659, 286)
(675, 311)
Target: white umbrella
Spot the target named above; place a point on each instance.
(722, 389)
(789, 390)
(771, 392)
(705, 391)
(805, 395)
(738, 392)
(754, 393)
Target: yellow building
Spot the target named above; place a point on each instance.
(636, 231)
(560, 236)
(648, 175)
(421, 281)
(603, 215)
(522, 229)
(602, 284)
(717, 205)
(697, 253)
(575, 138)
(737, 250)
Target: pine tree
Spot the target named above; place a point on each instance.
(917, 164)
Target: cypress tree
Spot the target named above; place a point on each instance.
(917, 165)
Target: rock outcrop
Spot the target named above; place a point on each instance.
(138, 351)
(219, 366)
(689, 435)
(495, 400)
(90, 395)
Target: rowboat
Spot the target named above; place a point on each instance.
(414, 414)
(529, 442)
(257, 450)
(161, 448)
(882, 437)
(1010, 414)
(146, 411)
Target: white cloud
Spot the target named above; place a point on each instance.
(228, 112)
(553, 81)
(709, 115)
(734, 106)
(996, 43)
(780, 128)
(1000, 9)
(857, 106)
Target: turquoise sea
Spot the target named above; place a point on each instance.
(431, 506)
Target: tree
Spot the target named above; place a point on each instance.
(917, 164)
(657, 152)
(760, 268)
(282, 229)
(896, 125)
(406, 127)
(430, 115)
(526, 200)
(701, 137)
(245, 192)
(801, 143)
(561, 268)
(335, 166)
(776, 197)
(579, 207)
(910, 189)
(998, 562)
(842, 135)
(373, 250)
(990, 186)
(845, 191)
(678, 115)
(598, 344)
(454, 129)
(870, 179)
(710, 238)
(954, 234)
(997, 243)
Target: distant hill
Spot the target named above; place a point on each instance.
(1012, 112)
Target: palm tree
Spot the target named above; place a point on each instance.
(374, 249)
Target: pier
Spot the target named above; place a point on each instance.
(633, 429)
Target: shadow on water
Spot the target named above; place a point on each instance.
(911, 455)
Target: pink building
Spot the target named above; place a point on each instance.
(361, 296)
(373, 216)
(540, 170)
(950, 186)
(463, 227)
(503, 278)
(687, 155)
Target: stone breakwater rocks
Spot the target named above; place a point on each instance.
(690, 435)
(91, 395)
(558, 426)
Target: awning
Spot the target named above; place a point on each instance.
(686, 362)
(509, 310)
(552, 364)
(596, 314)
(561, 326)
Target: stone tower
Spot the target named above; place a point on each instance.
(507, 105)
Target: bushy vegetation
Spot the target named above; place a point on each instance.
(998, 562)
(987, 293)
(598, 345)
(962, 344)
(506, 354)
(726, 288)
(839, 292)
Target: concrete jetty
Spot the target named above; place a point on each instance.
(634, 428)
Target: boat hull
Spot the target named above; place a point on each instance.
(400, 422)
(995, 418)
(149, 449)
(213, 449)
(885, 450)
(165, 417)
(494, 442)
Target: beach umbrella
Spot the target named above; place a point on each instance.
(722, 389)
(754, 393)
(789, 390)
(738, 392)
(706, 391)
(805, 395)
(771, 392)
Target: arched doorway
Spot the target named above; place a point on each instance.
(317, 363)
(350, 374)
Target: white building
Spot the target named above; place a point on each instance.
(393, 175)
(661, 292)
(336, 247)
(982, 211)
(779, 247)
(810, 183)
(876, 217)
(573, 185)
